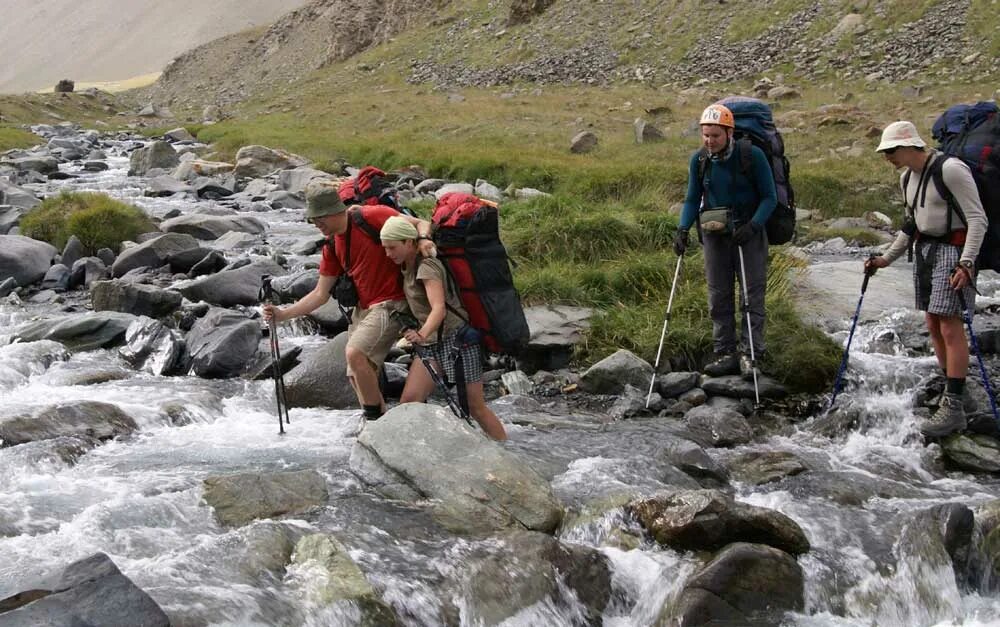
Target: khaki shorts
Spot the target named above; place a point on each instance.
(373, 332)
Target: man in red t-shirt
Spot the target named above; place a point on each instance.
(373, 330)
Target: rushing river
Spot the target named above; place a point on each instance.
(138, 498)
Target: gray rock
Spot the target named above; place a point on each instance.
(157, 154)
(721, 427)
(180, 134)
(90, 419)
(56, 278)
(17, 197)
(257, 161)
(291, 287)
(134, 298)
(611, 374)
(294, 181)
(330, 318)
(41, 163)
(674, 384)
(760, 467)
(631, 403)
(646, 132)
(698, 520)
(453, 188)
(488, 191)
(91, 591)
(238, 286)
(234, 241)
(745, 584)
(343, 580)
(694, 397)
(320, 380)
(24, 259)
(208, 227)
(485, 489)
(693, 460)
(555, 332)
(242, 498)
(10, 218)
(222, 343)
(735, 386)
(72, 251)
(107, 256)
(152, 347)
(166, 185)
(90, 331)
(85, 271)
(7, 286)
(428, 186)
(583, 143)
(517, 382)
(979, 453)
(153, 253)
(191, 168)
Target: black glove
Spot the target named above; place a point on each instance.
(680, 242)
(745, 233)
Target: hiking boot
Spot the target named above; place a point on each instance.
(948, 419)
(746, 368)
(723, 364)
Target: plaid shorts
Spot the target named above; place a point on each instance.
(447, 351)
(933, 263)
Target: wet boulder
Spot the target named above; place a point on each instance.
(413, 450)
(10, 217)
(735, 386)
(978, 453)
(320, 379)
(526, 569)
(230, 287)
(157, 154)
(57, 278)
(745, 584)
(337, 579)
(153, 253)
(86, 332)
(240, 499)
(134, 298)
(152, 347)
(692, 459)
(697, 520)
(87, 270)
(207, 227)
(33, 162)
(91, 419)
(258, 161)
(291, 287)
(165, 185)
(294, 181)
(221, 344)
(720, 427)
(91, 591)
(17, 198)
(24, 259)
(195, 168)
(611, 374)
(673, 384)
(760, 467)
(183, 261)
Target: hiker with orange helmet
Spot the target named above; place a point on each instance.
(730, 208)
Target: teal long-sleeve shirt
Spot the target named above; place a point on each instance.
(727, 186)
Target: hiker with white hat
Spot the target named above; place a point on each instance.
(946, 237)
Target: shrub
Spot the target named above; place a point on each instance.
(99, 221)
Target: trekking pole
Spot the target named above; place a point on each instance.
(267, 296)
(746, 309)
(409, 322)
(663, 333)
(967, 316)
(850, 337)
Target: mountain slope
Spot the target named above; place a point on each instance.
(42, 42)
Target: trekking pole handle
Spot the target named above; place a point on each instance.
(869, 273)
(266, 294)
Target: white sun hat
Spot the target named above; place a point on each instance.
(900, 133)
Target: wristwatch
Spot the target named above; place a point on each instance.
(965, 263)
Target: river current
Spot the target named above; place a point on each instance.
(138, 498)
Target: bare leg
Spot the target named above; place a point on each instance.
(957, 346)
(419, 384)
(483, 414)
(937, 340)
(365, 380)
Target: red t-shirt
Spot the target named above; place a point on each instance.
(377, 277)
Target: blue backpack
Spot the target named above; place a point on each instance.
(755, 126)
(971, 132)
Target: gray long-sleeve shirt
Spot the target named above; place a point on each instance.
(931, 215)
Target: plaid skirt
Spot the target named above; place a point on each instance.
(933, 263)
(450, 350)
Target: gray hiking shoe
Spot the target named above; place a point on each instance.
(746, 368)
(723, 364)
(949, 418)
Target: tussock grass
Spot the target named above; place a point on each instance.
(16, 138)
(98, 220)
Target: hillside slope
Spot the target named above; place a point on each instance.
(111, 40)
(462, 43)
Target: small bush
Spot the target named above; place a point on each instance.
(99, 221)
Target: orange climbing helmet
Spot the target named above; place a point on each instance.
(718, 115)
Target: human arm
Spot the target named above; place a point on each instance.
(305, 305)
(425, 244)
(692, 199)
(959, 181)
(436, 298)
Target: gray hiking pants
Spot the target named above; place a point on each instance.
(722, 271)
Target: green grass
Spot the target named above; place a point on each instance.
(97, 220)
(759, 17)
(981, 26)
(16, 138)
(853, 237)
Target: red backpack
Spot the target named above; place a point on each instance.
(467, 235)
(370, 186)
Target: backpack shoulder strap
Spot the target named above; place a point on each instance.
(745, 148)
(362, 224)
(937, 175)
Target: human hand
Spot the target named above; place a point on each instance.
(961, 277)
(426, 248)
(680, 242)
(273, 312)
(875, 262)
(745, 233)
(413, 336)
